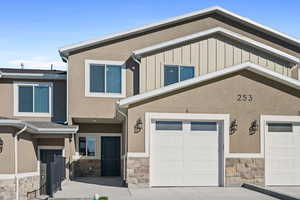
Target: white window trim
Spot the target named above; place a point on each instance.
(178, 66)
(99, 94)
(32, 114)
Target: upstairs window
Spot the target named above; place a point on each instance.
(105, 79)
(33, 99)
(177, 73)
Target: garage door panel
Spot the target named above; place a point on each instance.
(184, 158)
(282, 157)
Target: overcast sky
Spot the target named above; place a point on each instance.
(31, 31)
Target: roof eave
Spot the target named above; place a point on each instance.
(64, 51)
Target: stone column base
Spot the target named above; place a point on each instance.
(26, 185)
(244, 170)
(137, 172)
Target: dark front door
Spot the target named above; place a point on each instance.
(46, 157)
(110, 156)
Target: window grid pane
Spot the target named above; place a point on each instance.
(41, 99)
(113, 79)
(169, 125)
(25, 99)
(280, 127)
(203, 126)
(186, 72)
(91, 145)
(82, 146)
(97, 78)
(171, 74)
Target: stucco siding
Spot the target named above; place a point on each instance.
(220, 97)
(7, 100)
(206, 55)
(121, 50)
(27, 154)
(7, 156)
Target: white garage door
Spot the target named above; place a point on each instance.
(283, 154)
(184, 153)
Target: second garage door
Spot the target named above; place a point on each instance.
(184, 153)
(282, 153)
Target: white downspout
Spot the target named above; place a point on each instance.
(138, 62)
(16, 159)
(126, 146)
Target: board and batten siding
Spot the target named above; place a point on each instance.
(206, 55)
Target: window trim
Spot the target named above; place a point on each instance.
(88, 93)
(178, 66)
(32, 114)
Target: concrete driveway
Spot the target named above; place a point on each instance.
(293, 191)
(85, 188)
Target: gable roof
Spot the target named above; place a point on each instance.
(64, 51)
(244, 66)
(222, 31)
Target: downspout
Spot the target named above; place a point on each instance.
(67, 90)
(126, 139)
(16, 159)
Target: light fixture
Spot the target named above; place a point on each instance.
(233, 126)
(1, 145)
(253, 128)
(138, 126)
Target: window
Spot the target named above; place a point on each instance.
(280, 127)
(33, 99)
(169, 125)
(203, 126)
(105, 78)
(175, 73)
(87, 146)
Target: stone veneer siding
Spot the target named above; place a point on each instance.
(244, 170)
(86, 167)
(27, 184)
(137, 172)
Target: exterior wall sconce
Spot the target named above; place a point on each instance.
(138, 127)
(233, 126)
(253, 128)
(1, 145)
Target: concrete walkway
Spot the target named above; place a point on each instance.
(85, 188)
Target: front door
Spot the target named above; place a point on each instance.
(110, 156)
(46, 157)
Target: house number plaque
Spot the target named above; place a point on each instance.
(245, 97)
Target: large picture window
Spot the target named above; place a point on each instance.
(33, 99)
(105, 78)
(177, 73)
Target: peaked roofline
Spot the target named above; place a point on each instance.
(228, 33)
(64, 51)
(124, 103)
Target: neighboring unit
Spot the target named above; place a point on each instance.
(209, 98)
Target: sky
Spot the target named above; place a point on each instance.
(32, 31)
